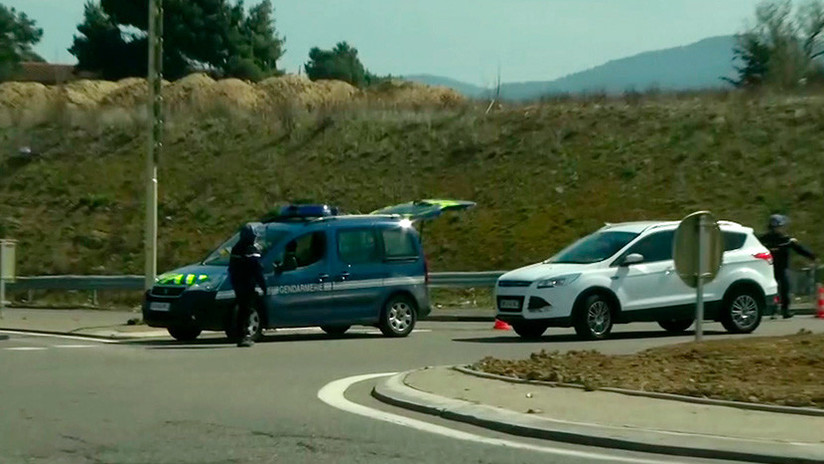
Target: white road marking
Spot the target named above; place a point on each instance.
(74, 346)
(26, 348)
(65, 337)
(333, 395)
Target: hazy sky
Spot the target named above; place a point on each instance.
(463, 39)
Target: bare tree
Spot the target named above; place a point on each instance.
(783, 47)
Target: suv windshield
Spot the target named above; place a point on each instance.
(266, 240)
(594, 248)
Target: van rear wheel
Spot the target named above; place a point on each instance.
(398, 317)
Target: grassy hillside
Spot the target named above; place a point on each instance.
(542, 176)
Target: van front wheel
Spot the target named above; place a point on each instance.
(398, 318)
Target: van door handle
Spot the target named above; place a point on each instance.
(343, 276)
(323, 277)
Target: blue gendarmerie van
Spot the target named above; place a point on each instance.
(339, 271)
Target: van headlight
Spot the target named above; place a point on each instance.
(558, 281)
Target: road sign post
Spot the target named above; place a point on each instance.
(698, 252)
(155, 142)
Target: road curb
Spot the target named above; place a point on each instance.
(654, 395)
(396, 392)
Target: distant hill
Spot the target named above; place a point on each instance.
(696, 66)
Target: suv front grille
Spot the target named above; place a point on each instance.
(167, 291)
(514, 283)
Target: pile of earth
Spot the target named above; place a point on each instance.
(200, 91)
(775, 370)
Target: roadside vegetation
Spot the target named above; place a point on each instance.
(542, 174)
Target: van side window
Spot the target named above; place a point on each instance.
(399, 244)
(733, 241)
(359, 246)
(655, 247)
(305, 251)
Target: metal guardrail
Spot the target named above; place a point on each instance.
(803, 281)
(135, 282)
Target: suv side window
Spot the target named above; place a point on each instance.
(733, 240)
(358, 246)
(305, 251)
(655, 247)
(399, 244)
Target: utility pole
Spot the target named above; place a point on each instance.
(155, 143)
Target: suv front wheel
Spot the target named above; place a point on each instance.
(593, 317)
(742, 311)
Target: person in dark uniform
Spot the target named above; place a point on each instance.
(780, 245)
(245, 273)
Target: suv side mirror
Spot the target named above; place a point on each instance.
(633, 258)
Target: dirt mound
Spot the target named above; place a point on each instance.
(87, 93)
(777, 370)
(279, 90)
(231, 92)
(189, 89)
(129, 93)
(23, 95)
(398, 92)
(199, 91)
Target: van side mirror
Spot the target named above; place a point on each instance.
(633, 258)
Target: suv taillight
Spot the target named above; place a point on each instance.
(765, 256)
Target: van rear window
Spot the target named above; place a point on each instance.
(399, 244)
(733, 240)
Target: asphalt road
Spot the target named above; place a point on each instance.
(76, 401)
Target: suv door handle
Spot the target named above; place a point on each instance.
(323, 277)
(343, 276)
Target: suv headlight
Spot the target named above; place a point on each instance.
(558, 281)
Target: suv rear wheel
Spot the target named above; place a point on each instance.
(742, 311)
(593, 318)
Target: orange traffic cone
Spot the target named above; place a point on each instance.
(820, 307)
(501, 325)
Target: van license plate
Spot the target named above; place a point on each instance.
(510, 304)
(160, 306)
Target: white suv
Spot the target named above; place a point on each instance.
(625, 273)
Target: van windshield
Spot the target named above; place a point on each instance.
(594, 248)
(267, 238)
